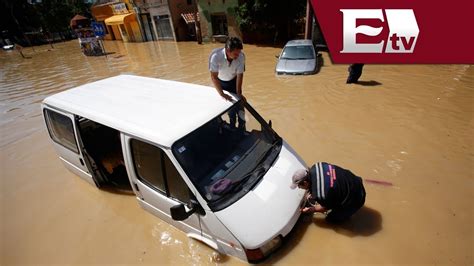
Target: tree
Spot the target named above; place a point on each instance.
(55, 14)
(276, 17)
(82, 8)
(18, 16)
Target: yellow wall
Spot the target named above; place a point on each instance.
(118, 35)
(101, 12)
(136, 31)
(133, 29)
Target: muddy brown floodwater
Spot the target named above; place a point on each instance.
(407, 130)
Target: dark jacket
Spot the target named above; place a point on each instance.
(334, 187)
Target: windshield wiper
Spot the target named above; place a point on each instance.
(238, 184)
(257, 170)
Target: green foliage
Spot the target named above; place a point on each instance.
(231, 11)
(49, 15)
(55, 15)
(277, 16)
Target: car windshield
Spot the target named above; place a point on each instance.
(298, 52)
(226, 155)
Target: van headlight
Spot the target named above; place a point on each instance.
(263, 251)
(271, 245)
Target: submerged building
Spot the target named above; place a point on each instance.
(119, 20)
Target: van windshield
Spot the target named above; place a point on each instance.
(228, 155)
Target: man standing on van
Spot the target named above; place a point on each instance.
(227, 66)
(331, 188)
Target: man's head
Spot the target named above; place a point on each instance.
(233, 46)
(300, 179)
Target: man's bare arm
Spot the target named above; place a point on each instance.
(218, 87)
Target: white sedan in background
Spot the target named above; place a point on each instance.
(298, 57)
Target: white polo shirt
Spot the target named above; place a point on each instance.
(227, 71)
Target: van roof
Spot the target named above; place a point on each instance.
(161, 111)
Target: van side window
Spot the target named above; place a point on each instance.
(148, 164)
(61, 129)
(177, 188)
(154, 168)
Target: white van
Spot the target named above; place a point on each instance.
(173, 145)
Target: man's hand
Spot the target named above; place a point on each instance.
(218, 87)
(308, 210)
(313, 209)
(243, 98)
(227, 97)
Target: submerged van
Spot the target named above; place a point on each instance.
(175, 147)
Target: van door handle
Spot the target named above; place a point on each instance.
(82, 162)
(138, 191)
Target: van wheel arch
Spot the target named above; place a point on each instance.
(205, 240)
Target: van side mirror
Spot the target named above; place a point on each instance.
(178, 212)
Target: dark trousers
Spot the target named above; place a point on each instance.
(355, 71)
(231, 86)
(338, 215)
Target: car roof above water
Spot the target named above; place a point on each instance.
(157, 110)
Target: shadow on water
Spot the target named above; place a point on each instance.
(118, 190)
(365, 222)
(118, 56)
(368, 83)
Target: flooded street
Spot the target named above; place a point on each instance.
(407, 130)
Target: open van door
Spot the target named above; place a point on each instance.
(63, 131)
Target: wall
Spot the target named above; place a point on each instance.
(160, 8)
(100, 13)
(209, 7)
(177, 7)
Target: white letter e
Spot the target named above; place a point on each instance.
(350, 30)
